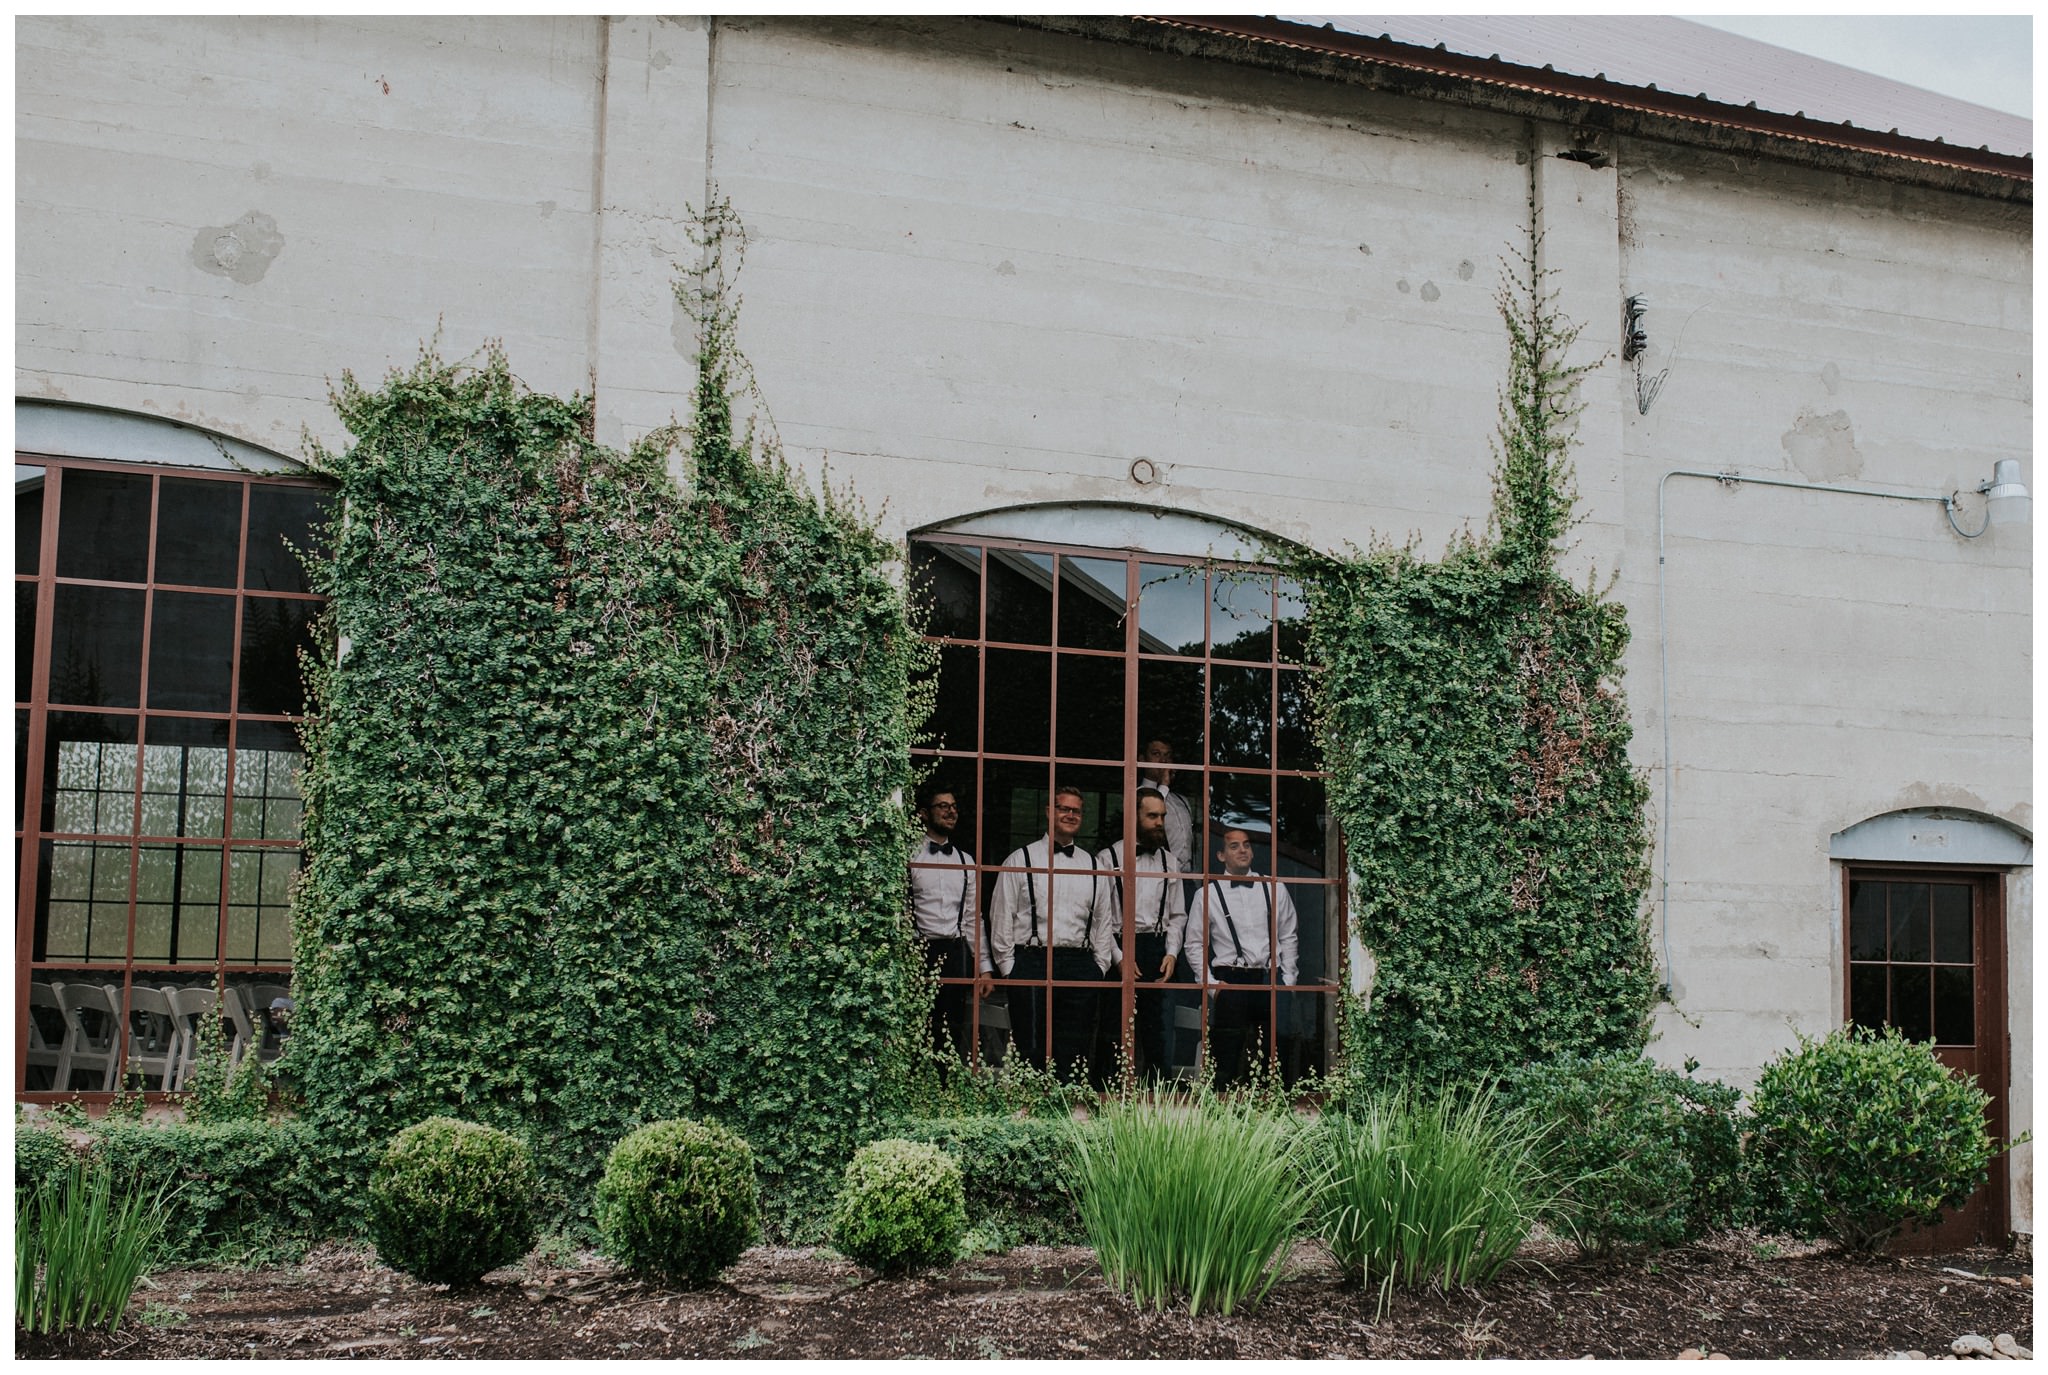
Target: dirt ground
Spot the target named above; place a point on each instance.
(1739, 1294)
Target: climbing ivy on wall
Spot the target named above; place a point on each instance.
(604, 821)
(1471, 718)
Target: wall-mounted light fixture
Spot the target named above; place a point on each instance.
(2005, 499)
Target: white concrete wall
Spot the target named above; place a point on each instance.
(992, 266)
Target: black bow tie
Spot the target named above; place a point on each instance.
(933, 847)
(1066, 851)
(1240, 883)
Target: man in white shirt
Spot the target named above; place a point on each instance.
(1250, 919)
(1159, 923)
(1049, 922)
(945, 909)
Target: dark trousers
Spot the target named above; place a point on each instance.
(1241, 1023)
(1156, 1003)
(1072, 1014)
(950, 958)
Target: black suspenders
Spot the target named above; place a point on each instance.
(1236, 944)
(1031, 888)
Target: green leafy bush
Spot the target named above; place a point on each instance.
(235, 1192)
(1018, 1173)
(452, 1200)
(1858, 1134)
(678, 1201)
(1417, 1188)
(1642, 1155)
(603, 816)
(902, 1207)
(40, 1153)
(80, 1245)
(1197, 1199)
(1469, 711)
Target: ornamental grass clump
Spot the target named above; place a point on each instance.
(1417, 1188)
(1858, 1134)
(452, 1200)
(80, 1246)
(903, 1207)
(678, 1201)
(1196, 1199)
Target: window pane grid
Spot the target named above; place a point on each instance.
(1029, 692)
(155, 843)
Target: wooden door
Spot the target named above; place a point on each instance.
(1927, 956)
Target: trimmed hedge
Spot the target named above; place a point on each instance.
(1018, 1174)
(245, 1190)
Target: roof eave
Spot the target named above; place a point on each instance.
(1587, 104)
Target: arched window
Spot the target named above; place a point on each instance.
(160, 613)
(1178, 668)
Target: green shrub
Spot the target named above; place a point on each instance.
(678, 1201)
(245, 1190)
(1415, 1188)
(452, 1200)
(1858, 1134)
(1018, 1173)
(1642, 1155)
(902, 1207)
(40, 1153)
(80, 1245)
(1199, 1199)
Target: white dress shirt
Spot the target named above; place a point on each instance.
(1067, 912)
(945, 900)
(1240, 922)
(1162, 907)
(1180, 826)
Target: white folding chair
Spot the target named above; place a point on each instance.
(153, 1039)
(189, 1006)
(49, 1034)
(92, 1027)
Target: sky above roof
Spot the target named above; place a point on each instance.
(1689, 58)
(1984, 59)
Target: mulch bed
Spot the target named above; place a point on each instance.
(1739, 1294)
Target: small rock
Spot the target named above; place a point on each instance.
(1971, 1344)
(1692, 1353)
(1720, 1356)
(1916, 1355)
(2004, 1342)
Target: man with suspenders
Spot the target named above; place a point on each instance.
(1249, 921)
(945, 908)
(1052, 919)
(1159, 916)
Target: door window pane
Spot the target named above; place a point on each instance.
(199, 532)
(1952, 939)
(96, 647)
(1304, 829)
(24, 640)
(1866, 920)
(1867, 995)
(1912, 1002)
(191, 652)
(1909, 921)
(1171, 708)
(184, 777)
(1955, 1007)
(82, 901)
(1292, 624)
(267, 802)
(956, 713)
(89, 774)
(103, 526)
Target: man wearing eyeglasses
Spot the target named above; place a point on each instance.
(1049, 920)
(945, 908)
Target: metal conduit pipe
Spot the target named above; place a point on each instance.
(1727, 478)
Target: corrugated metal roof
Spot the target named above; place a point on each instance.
(1679, 57)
